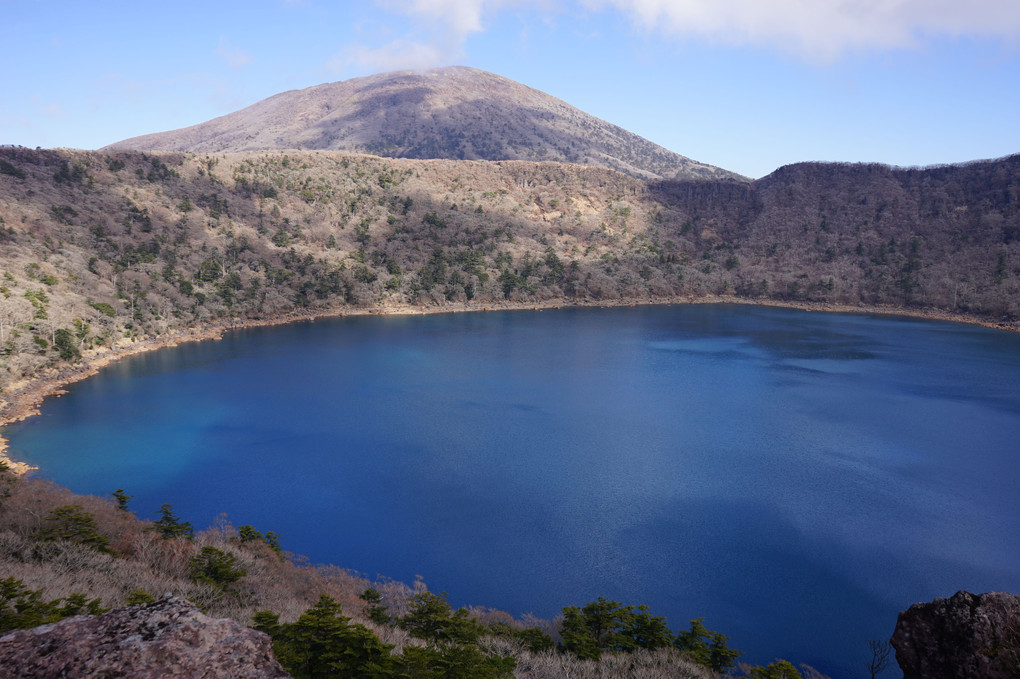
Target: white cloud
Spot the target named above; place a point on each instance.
(397, 55)
(823, 29)
(819, 30)
(461, 17)
(235, 57)
(441, 28)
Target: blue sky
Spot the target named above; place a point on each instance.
(749, 85)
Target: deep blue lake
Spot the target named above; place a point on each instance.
(796, 478)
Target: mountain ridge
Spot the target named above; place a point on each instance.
(454, 113)
(107, 249)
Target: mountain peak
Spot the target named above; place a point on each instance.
(454, 112)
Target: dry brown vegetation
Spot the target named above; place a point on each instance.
(104, 252)
(140, 559)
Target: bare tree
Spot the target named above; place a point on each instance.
(12, 311)
(880, 651)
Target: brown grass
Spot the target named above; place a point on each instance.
(144, 560)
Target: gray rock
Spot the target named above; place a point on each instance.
(168, 638)
(968, 636)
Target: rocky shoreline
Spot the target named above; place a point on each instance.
(26, 398)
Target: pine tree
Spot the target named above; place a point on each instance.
(170, 526)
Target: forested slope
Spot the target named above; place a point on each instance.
(104, 249)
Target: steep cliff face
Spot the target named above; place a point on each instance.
(169, 638)
(963, 637)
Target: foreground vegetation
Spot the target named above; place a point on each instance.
(102, 251)
(63, 554)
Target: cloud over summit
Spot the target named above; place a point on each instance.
(815, 30)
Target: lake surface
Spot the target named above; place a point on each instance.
(795, 478)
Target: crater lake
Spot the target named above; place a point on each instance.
(795, 478)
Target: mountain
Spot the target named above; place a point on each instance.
(454, 113)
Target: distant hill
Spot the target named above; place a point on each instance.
(453, 113)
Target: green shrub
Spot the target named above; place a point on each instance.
(170, 526)
(430, 617)
(610, 626)
(249, 534)
(780, 669)
(23, 608)
(374, 609)
(73, 524)
(215, 567)
(104, 308)
(324, 643)
(706, 647)
(64, 342)
(139, 597)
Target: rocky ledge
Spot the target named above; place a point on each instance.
(168, 638)
(967, 636)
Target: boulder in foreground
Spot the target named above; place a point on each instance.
(168, 638)
(967, 636)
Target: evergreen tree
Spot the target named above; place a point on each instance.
(122, 499)
(322, 644)
(267, 622)
(430, 617)
(23, 608)
(647, 631)
(215, 567)
(170, 526)
(249, 534)
(780, 669)
(74, 524)
(604, 625)
(706, 647)
(64, 343)
(374, 609)
(273, 540)
(452, 661)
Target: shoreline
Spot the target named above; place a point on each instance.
(27, 399)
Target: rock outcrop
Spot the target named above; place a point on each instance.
(967, 636)
(169, 638)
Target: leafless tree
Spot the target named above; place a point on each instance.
(880, 651)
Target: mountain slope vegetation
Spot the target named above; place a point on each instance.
(63, 555)
(453, 113)
(105, 250)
